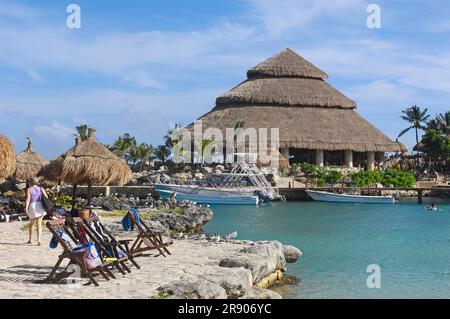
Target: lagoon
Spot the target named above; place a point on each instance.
(339, 241)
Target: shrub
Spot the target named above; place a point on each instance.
(389, 177)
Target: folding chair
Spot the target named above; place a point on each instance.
(62, 234)
(150, 239)
(110, 246)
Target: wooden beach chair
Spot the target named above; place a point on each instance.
(58, 228)
(13, 213)
(147, 239)
(110, 246)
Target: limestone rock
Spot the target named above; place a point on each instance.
(199, 176)
(236, 281)
(206, 170)
(291, 253)
(262, 259)
(191, 287)
(258, 293)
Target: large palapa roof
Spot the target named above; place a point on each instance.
(290, 93)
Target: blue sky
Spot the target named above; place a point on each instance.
(141, 66)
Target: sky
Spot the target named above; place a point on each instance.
(142, 66)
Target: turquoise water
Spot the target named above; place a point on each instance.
(339, 241)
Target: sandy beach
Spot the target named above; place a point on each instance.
(22, 266)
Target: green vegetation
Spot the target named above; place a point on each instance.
(415, 117)
(320, 174)
(436, 141)
(60, 200)
(160, 295)
(389, 177)
(144, 215)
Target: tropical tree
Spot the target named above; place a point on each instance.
(143, 152)
(436, 145)
(83, 131)
(124, 146)
(202, 145)
(162, 152)
(416, 117)
(443, 122)
(169, 140)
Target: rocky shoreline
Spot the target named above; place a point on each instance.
(246, 274)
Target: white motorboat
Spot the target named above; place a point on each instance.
(245, 184)
(323, 196)
(221, 197)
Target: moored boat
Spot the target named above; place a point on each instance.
(323, 196)
(222, 197)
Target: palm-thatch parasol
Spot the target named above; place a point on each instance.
(7, 158)
(28, 164)
(88, 163)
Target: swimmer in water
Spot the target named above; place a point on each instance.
(432, 207)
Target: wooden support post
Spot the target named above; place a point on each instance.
(420, 196)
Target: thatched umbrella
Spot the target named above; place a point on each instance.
(28, 164)
(7, 158)
(88, 163)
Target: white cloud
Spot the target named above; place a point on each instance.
(141, 79)
(439, 27)
(10, 9)
(54, 132)
(279, 16)
(383, 92)
(34, 75)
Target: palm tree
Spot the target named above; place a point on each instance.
(162, 152)
(143, 153)
(443, 123)
(83, 131)
(416, 117)
(169, 142)
(124, 145)
(203, 144)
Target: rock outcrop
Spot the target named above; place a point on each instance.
(238, 276)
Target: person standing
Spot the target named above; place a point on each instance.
(35, 209)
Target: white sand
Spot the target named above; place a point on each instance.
(21, 265)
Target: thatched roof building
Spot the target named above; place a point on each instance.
(28, 164)
(7, 158)
(290, 93)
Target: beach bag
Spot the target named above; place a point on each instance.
(91, 257)
(46, 204)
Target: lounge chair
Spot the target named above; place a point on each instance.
(147, 239)
(13, 213)
(110, 246)
(68, 241)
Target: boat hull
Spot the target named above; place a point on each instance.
(222, 198)
(345, 198)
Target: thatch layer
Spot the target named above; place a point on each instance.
(296, 92)
(289, 93)
(306, 127)
(88, 163)
(28, 164)
(7, 158)
(287, 63)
